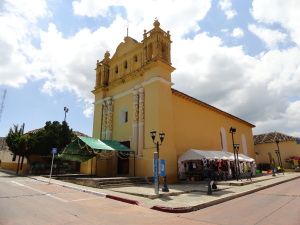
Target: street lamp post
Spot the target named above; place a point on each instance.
(236, 149)
(157, 144)
(232, 130)
(277, 151)
(66, 110)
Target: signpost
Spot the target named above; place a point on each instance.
(53, 151)
(159, 169)
(155, 170)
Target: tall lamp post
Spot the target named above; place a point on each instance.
(66, 110)
(277, 151)
(157, 144)
(232, 130)
(236, 148)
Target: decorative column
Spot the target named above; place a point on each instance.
(104, 120)
(109, 119)
(141, 121)
(135, 120)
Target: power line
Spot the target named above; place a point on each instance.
(2, 103)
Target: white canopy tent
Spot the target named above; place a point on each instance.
(194, 154)
(242, 158)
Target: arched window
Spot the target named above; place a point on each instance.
(164, 51)
(244, 143)
(223, 139)
(135, 58)
(116, 69)
(125, 65)
(150, 51)
(123, 115)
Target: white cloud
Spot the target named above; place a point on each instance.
(226, 5)
(93, 8)
(237, 33)
(141, 13)
(17, 25)
(270, 37)
(256, 89)
(88, 112)
(284, 13)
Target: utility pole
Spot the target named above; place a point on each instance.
(2, 103)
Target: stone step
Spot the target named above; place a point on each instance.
(113, 182)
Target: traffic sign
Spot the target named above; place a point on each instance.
(54, 151)
(162, 167)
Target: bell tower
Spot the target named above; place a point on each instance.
(157, 45)
(102, 71)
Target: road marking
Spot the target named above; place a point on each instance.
(83, 199)
(42, 192)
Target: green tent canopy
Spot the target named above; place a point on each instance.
(84, 148)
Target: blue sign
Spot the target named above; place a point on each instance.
(155, 170)
(162, 167)
(54, 151)
(154, 165)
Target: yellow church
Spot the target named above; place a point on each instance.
(134, 95)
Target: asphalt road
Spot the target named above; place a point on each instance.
(27, 201)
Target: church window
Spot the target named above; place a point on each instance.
(244, 143)
(223, 139)
(150, 51)
(123, 115)
(125, 64)
(116, 69)
(164, 51)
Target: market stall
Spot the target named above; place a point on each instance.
(192, 163)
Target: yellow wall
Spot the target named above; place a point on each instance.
(287, 149)
(198, 127)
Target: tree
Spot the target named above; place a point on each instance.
(18, 144)
(54, 135)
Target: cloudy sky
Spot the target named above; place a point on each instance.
(240, 56)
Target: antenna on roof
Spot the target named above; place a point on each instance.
(127, 25)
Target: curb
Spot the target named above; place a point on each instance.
(215, 202)
(133, 202)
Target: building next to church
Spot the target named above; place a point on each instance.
(134, 94)
(273, 147)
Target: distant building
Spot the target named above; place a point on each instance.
(265, 146)
(9, 161)
(134, 94)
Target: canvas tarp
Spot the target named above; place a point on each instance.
(83, 148)
(194, 154)
(242, 157)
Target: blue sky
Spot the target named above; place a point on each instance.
(239, 56)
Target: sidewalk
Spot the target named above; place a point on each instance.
(182, 197)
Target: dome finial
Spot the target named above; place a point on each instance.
(156, 23)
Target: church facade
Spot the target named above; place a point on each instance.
(134, 95)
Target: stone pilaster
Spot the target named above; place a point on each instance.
(135, 120)
(141, 121)
(109, 123)
(104, 118)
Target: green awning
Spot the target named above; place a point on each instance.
(83, 148)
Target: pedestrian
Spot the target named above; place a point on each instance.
(207, 176)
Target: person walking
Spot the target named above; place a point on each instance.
(207, 176)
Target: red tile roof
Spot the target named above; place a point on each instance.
(272, 137)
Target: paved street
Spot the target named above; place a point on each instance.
(24, 200)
